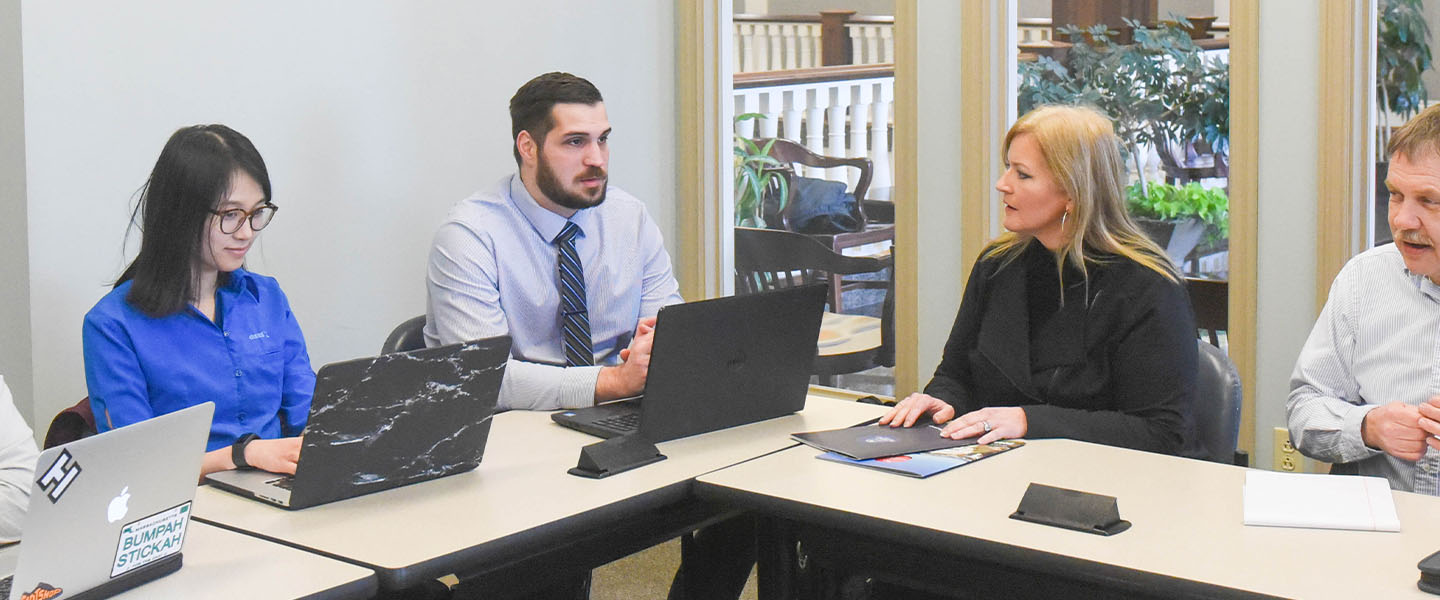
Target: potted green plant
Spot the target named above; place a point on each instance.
(1181, 217)
(756, 175)
(1160, 90)
(1402, 56)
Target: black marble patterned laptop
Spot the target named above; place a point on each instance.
(384, 422)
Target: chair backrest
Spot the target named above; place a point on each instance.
(74, 423)
(790, 152)
(768, 259)
(1211, 300)
(1218, 397)
(407, 336)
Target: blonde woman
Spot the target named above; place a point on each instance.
(1073, 324)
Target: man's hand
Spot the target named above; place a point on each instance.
(628, 378)
(1395, 429)
(1430, 421)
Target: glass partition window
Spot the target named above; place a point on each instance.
(1166, 85)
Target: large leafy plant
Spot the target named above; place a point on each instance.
(1403, 55)
(1161, 89)
(756, 174)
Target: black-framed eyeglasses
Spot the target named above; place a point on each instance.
(230, 220)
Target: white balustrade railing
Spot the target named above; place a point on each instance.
(776, 46)
(784, 45)
(871, 44)
(820, 114)
(1034, 31)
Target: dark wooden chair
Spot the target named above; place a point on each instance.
(768, 259)
(1211, 300)
(876, 217)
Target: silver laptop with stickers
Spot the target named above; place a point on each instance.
(110, 512)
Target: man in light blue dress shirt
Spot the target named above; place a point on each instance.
(1365, 393)
(495, 269)
(493, 263)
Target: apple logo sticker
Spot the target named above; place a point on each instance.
(119, 506)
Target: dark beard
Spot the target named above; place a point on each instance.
(552, 188)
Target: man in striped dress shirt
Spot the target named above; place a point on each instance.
(574, 271)
(1365, 393)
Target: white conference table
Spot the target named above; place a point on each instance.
(520, 502)
(224, 564)
(1187, 538)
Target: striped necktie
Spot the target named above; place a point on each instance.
(574, 318)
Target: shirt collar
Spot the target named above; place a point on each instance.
(242, 283)
(545, 223)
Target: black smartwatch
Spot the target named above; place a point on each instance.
(237, 451)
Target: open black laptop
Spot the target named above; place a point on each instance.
(717, 364)
(383, 422)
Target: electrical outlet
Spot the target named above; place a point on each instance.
(1284, 455)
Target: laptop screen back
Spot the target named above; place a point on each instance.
(731, 361)
(108, 505)
(383, 422)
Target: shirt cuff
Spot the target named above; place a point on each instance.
(1352, 442)
(577, 386)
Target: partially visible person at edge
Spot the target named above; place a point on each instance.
(17, 466)
(186, 323)
(1363, 395)
(1073, 324)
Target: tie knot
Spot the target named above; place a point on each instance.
(567, 233)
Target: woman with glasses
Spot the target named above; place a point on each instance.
(186, 323)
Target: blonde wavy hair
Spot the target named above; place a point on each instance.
(1083, 155)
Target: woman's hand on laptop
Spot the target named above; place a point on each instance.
(275, 456)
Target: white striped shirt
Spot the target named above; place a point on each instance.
(1377, 341)
(493, 272)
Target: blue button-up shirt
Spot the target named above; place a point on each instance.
(253, 365)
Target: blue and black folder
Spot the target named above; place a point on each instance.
(874, 441)
(917, 451)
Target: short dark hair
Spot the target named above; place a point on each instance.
(190, 179)
(530, 107)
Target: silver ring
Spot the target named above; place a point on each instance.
(986, 425)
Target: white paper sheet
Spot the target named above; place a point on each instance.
(1319, 501)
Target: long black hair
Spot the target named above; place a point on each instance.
(190, 179)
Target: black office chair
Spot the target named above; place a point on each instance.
(1218, 397)
(407, 336)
